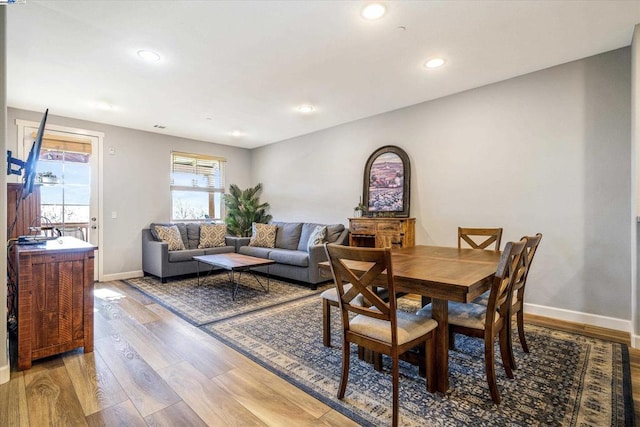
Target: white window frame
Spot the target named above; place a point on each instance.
(199, 167)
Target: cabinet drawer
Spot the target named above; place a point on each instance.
(362, 227)
(390, 227)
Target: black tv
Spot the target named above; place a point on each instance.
(28, 166)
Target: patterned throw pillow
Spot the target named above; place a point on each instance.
(263, 235)
(212, 235)
(317, 236)
(170, 235)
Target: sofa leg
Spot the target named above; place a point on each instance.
(163, 279)
(314, 287)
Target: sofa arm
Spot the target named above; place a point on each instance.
(237, 242)
(155, 255)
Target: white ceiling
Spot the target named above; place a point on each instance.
(246, 65)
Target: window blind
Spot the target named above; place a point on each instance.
(195, 171)
(65, 143)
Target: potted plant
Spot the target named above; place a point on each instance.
(243, 209)
(360, 210)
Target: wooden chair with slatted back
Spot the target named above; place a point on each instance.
(472, 319)
(517, 301)
(379, 327)
(517, 307)
(470, 236)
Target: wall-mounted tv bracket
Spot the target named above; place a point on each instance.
(13, 161)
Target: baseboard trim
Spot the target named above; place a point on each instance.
(635, 341)
(5, 373)
(122, 276)
(579, 317)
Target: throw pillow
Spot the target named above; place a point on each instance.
(263, 235)
(317, 236)
(212, 235)
(171, 236)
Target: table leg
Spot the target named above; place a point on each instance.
(440, 313)
(198, 267)
(234, 286)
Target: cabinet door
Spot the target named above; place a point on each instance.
(390, 240)
(57, 310)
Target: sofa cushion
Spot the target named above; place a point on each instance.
(287, 234)
(289, 257)
(334, 231)
(182, 228)
(219, 250)
(212, 235)
(193, 235)
(184, 255)
(317, 237)
(255, 251)
(307, 229)
(171, 236)
(263, 235)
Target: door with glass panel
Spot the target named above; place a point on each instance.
(67, 174)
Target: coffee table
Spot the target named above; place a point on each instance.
(233, 262)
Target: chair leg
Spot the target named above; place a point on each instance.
(523, 342)
(377, 361)
(429, 358)
(396, 399)
(489, 367)
(506, 351)
(345, 368)
(512, 358)
(326, 323)
(452, 340)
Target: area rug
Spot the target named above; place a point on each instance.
(212, 299)
(566, 380)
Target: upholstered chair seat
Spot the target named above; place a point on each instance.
(410, 327)
(461, 314)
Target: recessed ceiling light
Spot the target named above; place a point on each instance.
(305, 108)
(373, 11)
(236, 134)
(149, 55)
(434, 63)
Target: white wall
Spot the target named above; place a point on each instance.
(546, 152)
(136, 182)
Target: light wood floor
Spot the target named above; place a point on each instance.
(152, 368)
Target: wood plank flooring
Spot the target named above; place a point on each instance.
(151, 368)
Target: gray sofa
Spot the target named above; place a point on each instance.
(159, 261)
(293, 260)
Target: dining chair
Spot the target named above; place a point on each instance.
(470, 236)
(517, 300)
(492, 320)
(379, 327)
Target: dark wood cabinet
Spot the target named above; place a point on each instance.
(55, 298)
(382, 232)
(22, 213)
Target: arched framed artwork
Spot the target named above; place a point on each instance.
(387, 176)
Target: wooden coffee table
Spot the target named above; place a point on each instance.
(233, 262)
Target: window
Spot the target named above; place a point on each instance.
(64, 173)
(197, 186)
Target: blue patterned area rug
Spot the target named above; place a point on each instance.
(566, 380)
(212, 300)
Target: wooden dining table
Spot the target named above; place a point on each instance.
(443, 274)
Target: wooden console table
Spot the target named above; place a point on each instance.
(382, 232)
(55, 298)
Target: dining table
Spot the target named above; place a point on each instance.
(443, 274)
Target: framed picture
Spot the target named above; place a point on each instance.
(387, 176)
